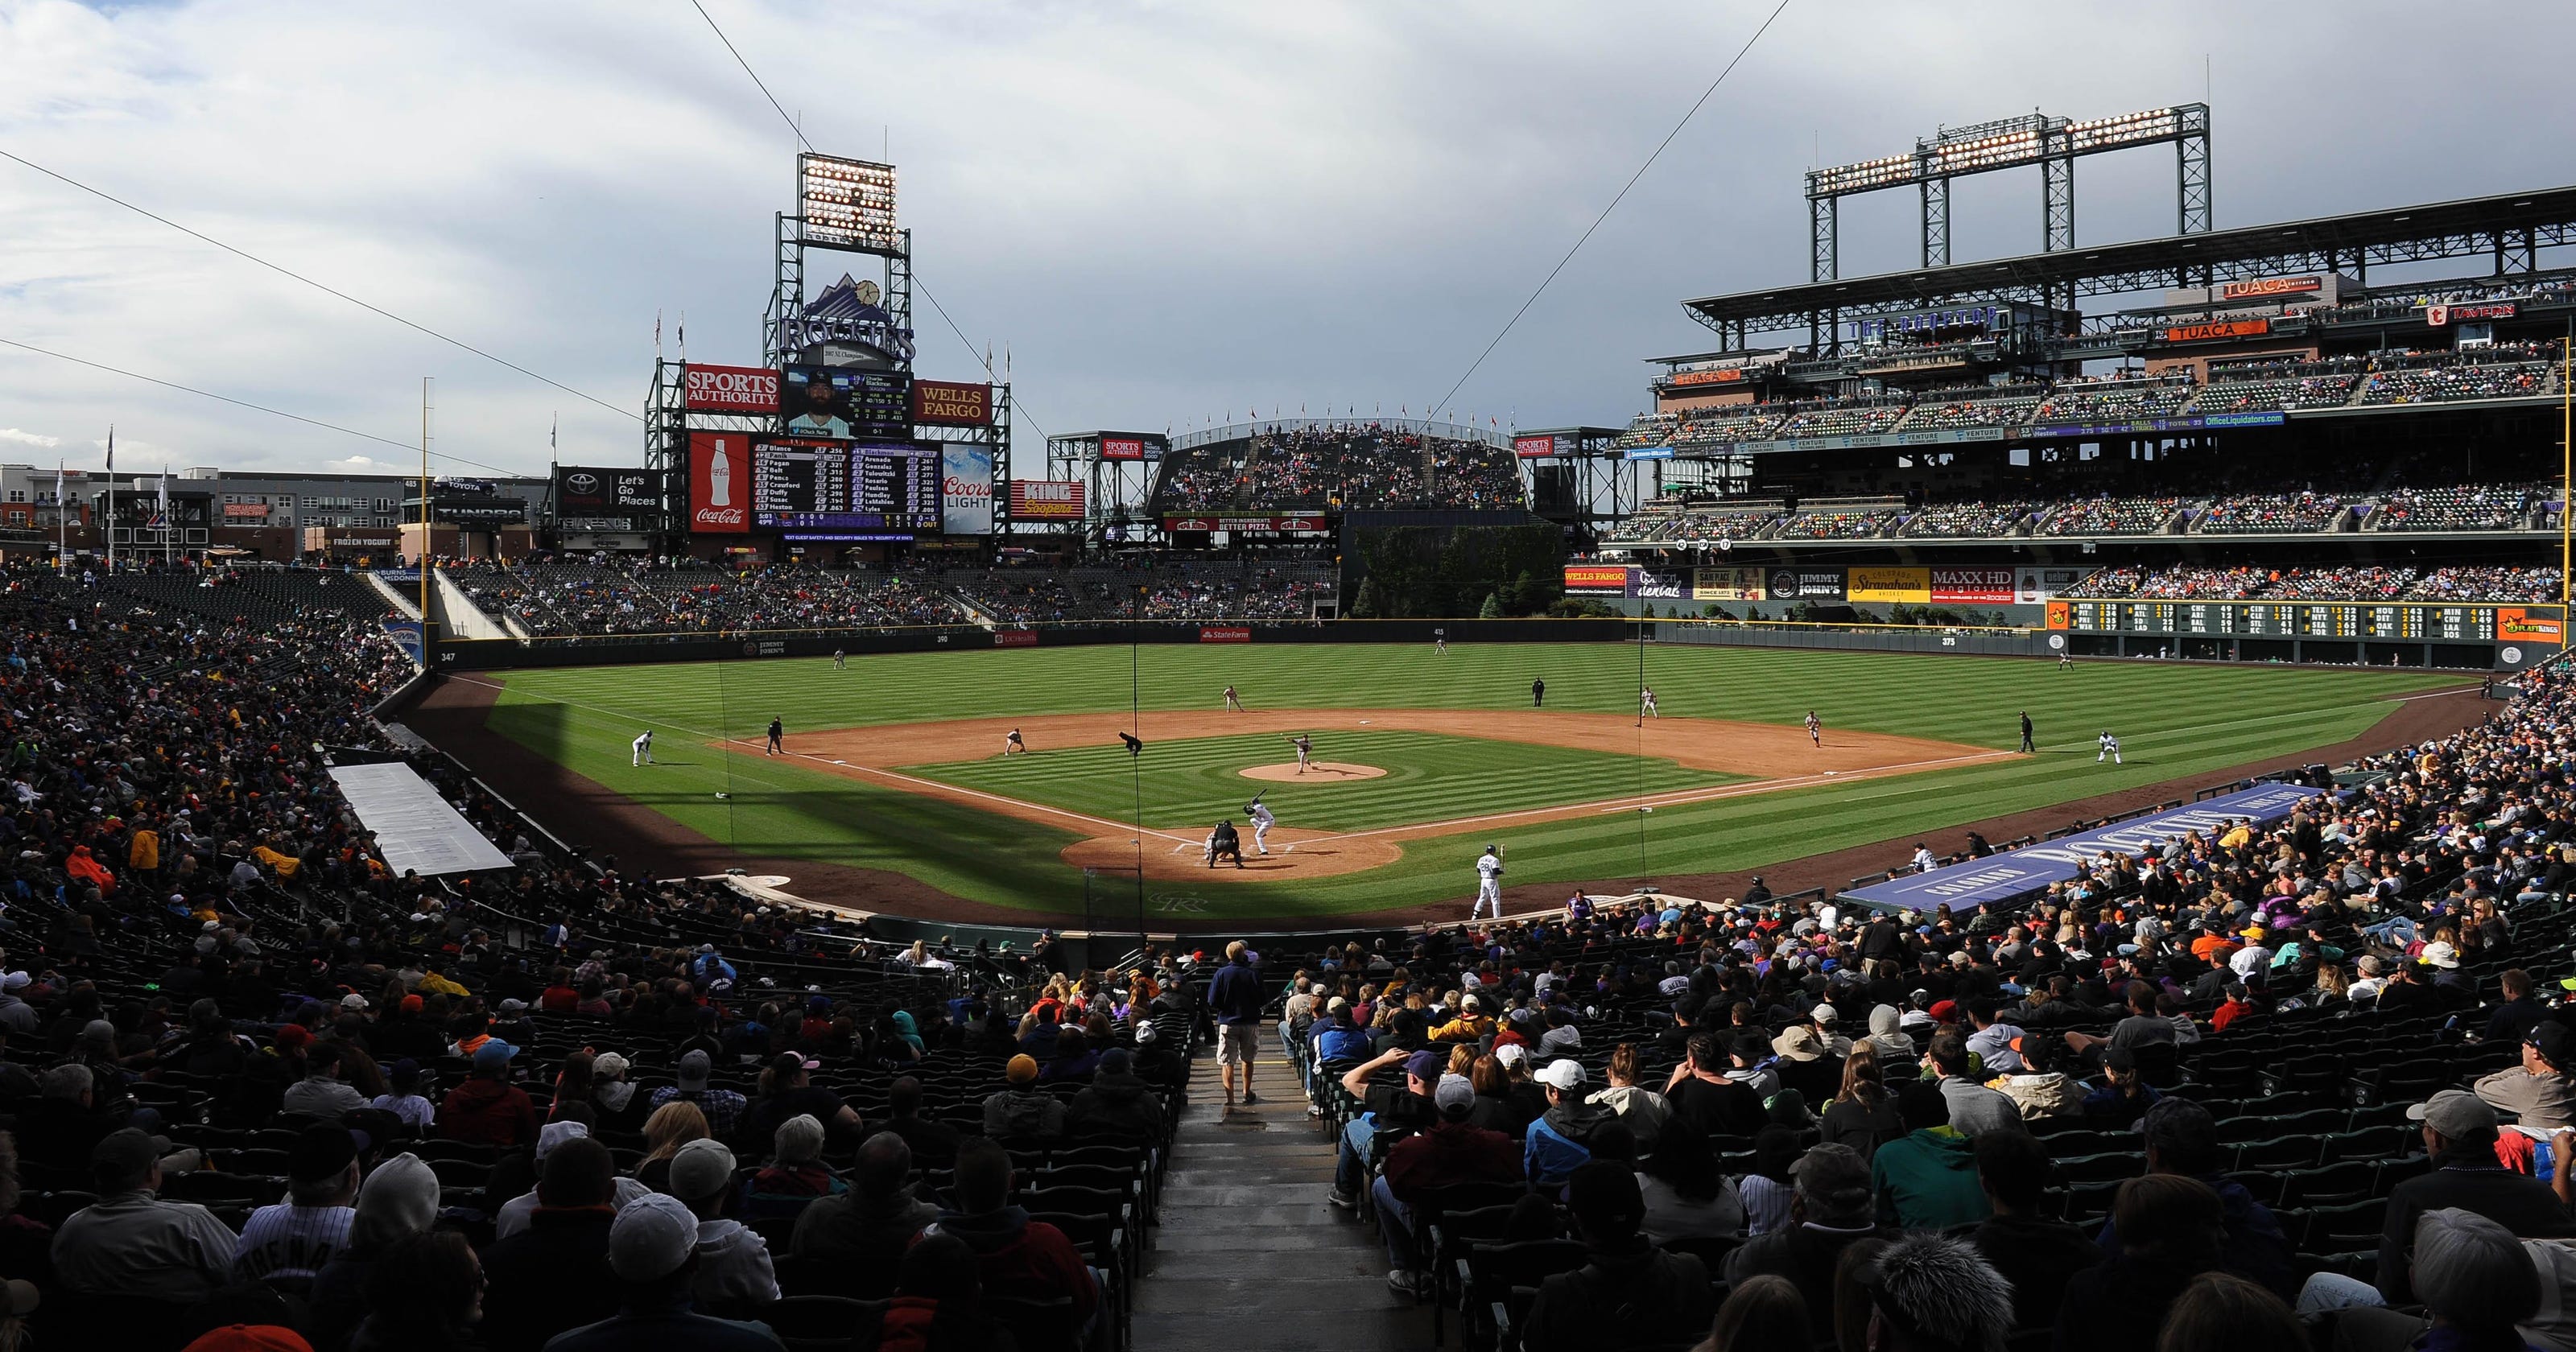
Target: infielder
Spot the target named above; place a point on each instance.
(1013, 742)
(1646, 703)
(2110, 748)
(1305, 748)
(777, 738)
(644, 747)
(1815, 729)
(1262, 820)
(1233, 705)
(1489, 882)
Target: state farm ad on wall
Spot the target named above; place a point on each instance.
(720, 483)
(729, 389)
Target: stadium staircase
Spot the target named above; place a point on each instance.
(1250, 1257)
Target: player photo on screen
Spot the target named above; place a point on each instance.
(815, 401)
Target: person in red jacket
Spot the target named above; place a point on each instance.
(1027, 1258)
(487, 1108)
(1450, 1151)
(936, 1302)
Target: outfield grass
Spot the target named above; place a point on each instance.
(1190, 784)
(2174, 720)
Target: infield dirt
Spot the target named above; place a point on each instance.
(1772, 756)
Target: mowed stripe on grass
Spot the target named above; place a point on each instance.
(1190, 784)
(2174, 720)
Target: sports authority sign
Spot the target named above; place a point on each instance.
(948, 403)
(1046, 500)
(1534, 448)
(1132, 446)
(729, 389)
(720, 483)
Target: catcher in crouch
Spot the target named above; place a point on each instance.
(1224, 841)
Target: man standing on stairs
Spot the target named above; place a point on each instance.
(1234, 1001)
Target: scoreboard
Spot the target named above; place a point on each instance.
(2288, 619)
(820, 483)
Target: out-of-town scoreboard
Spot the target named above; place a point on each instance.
(2434, 623)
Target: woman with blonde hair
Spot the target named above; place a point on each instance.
(1863, 1114)
(671, 1126)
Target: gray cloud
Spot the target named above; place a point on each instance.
(1165, 211)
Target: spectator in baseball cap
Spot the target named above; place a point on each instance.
(1021, 1111)
(1561, 1140)
(2460, 1132)
(653, 1250)
(131, 1243)
(1383, 1105)
(398, 1200)
(734, 1268)
(1831, 1208)
(294, 1238)
(1628, 1293)
(2539, 1092)
(487, 1109)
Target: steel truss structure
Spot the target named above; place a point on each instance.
(2509, 228)
(2052, 143)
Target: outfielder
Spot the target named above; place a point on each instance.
(1013, 742)
(2110, 748)
(1646, 703)
(1439, 641)
(1815, 729)
(644, 747)
(1305, 748)
(2066, 661)
(1489, 882)
(840, 661)
(1233, 705)
(1259, 814)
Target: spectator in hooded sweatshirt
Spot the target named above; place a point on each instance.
(1020, 1112)
(1027, 1258)
(1118, 1101)
(1927, 1178)
(734, 1274)
(1561, 1140)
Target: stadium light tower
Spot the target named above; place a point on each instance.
(2052, 143)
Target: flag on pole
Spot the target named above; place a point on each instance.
(683, 335)
(657, 335)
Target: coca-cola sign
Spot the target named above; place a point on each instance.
(719, 483)
(729, 389)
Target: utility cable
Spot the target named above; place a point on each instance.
(917, 284)
(1660, 147)
(408, 448)
(297, 276)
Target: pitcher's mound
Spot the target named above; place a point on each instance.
(1317, 772)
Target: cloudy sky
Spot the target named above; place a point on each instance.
(1167, 212)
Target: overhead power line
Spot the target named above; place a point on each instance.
(1660, 146)
(411, 448)
(318, 286)
(1021, 408)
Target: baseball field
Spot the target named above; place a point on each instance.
(893, 782)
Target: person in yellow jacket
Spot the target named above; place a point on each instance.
(285, 864)
(431, 983)
(1471, 1025)
(144, 854)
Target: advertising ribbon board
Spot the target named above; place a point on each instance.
(1598, 579)
(1984, 586)
(1046, 499)
(1727, 584)
(1905, 586)
(1795, 584)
